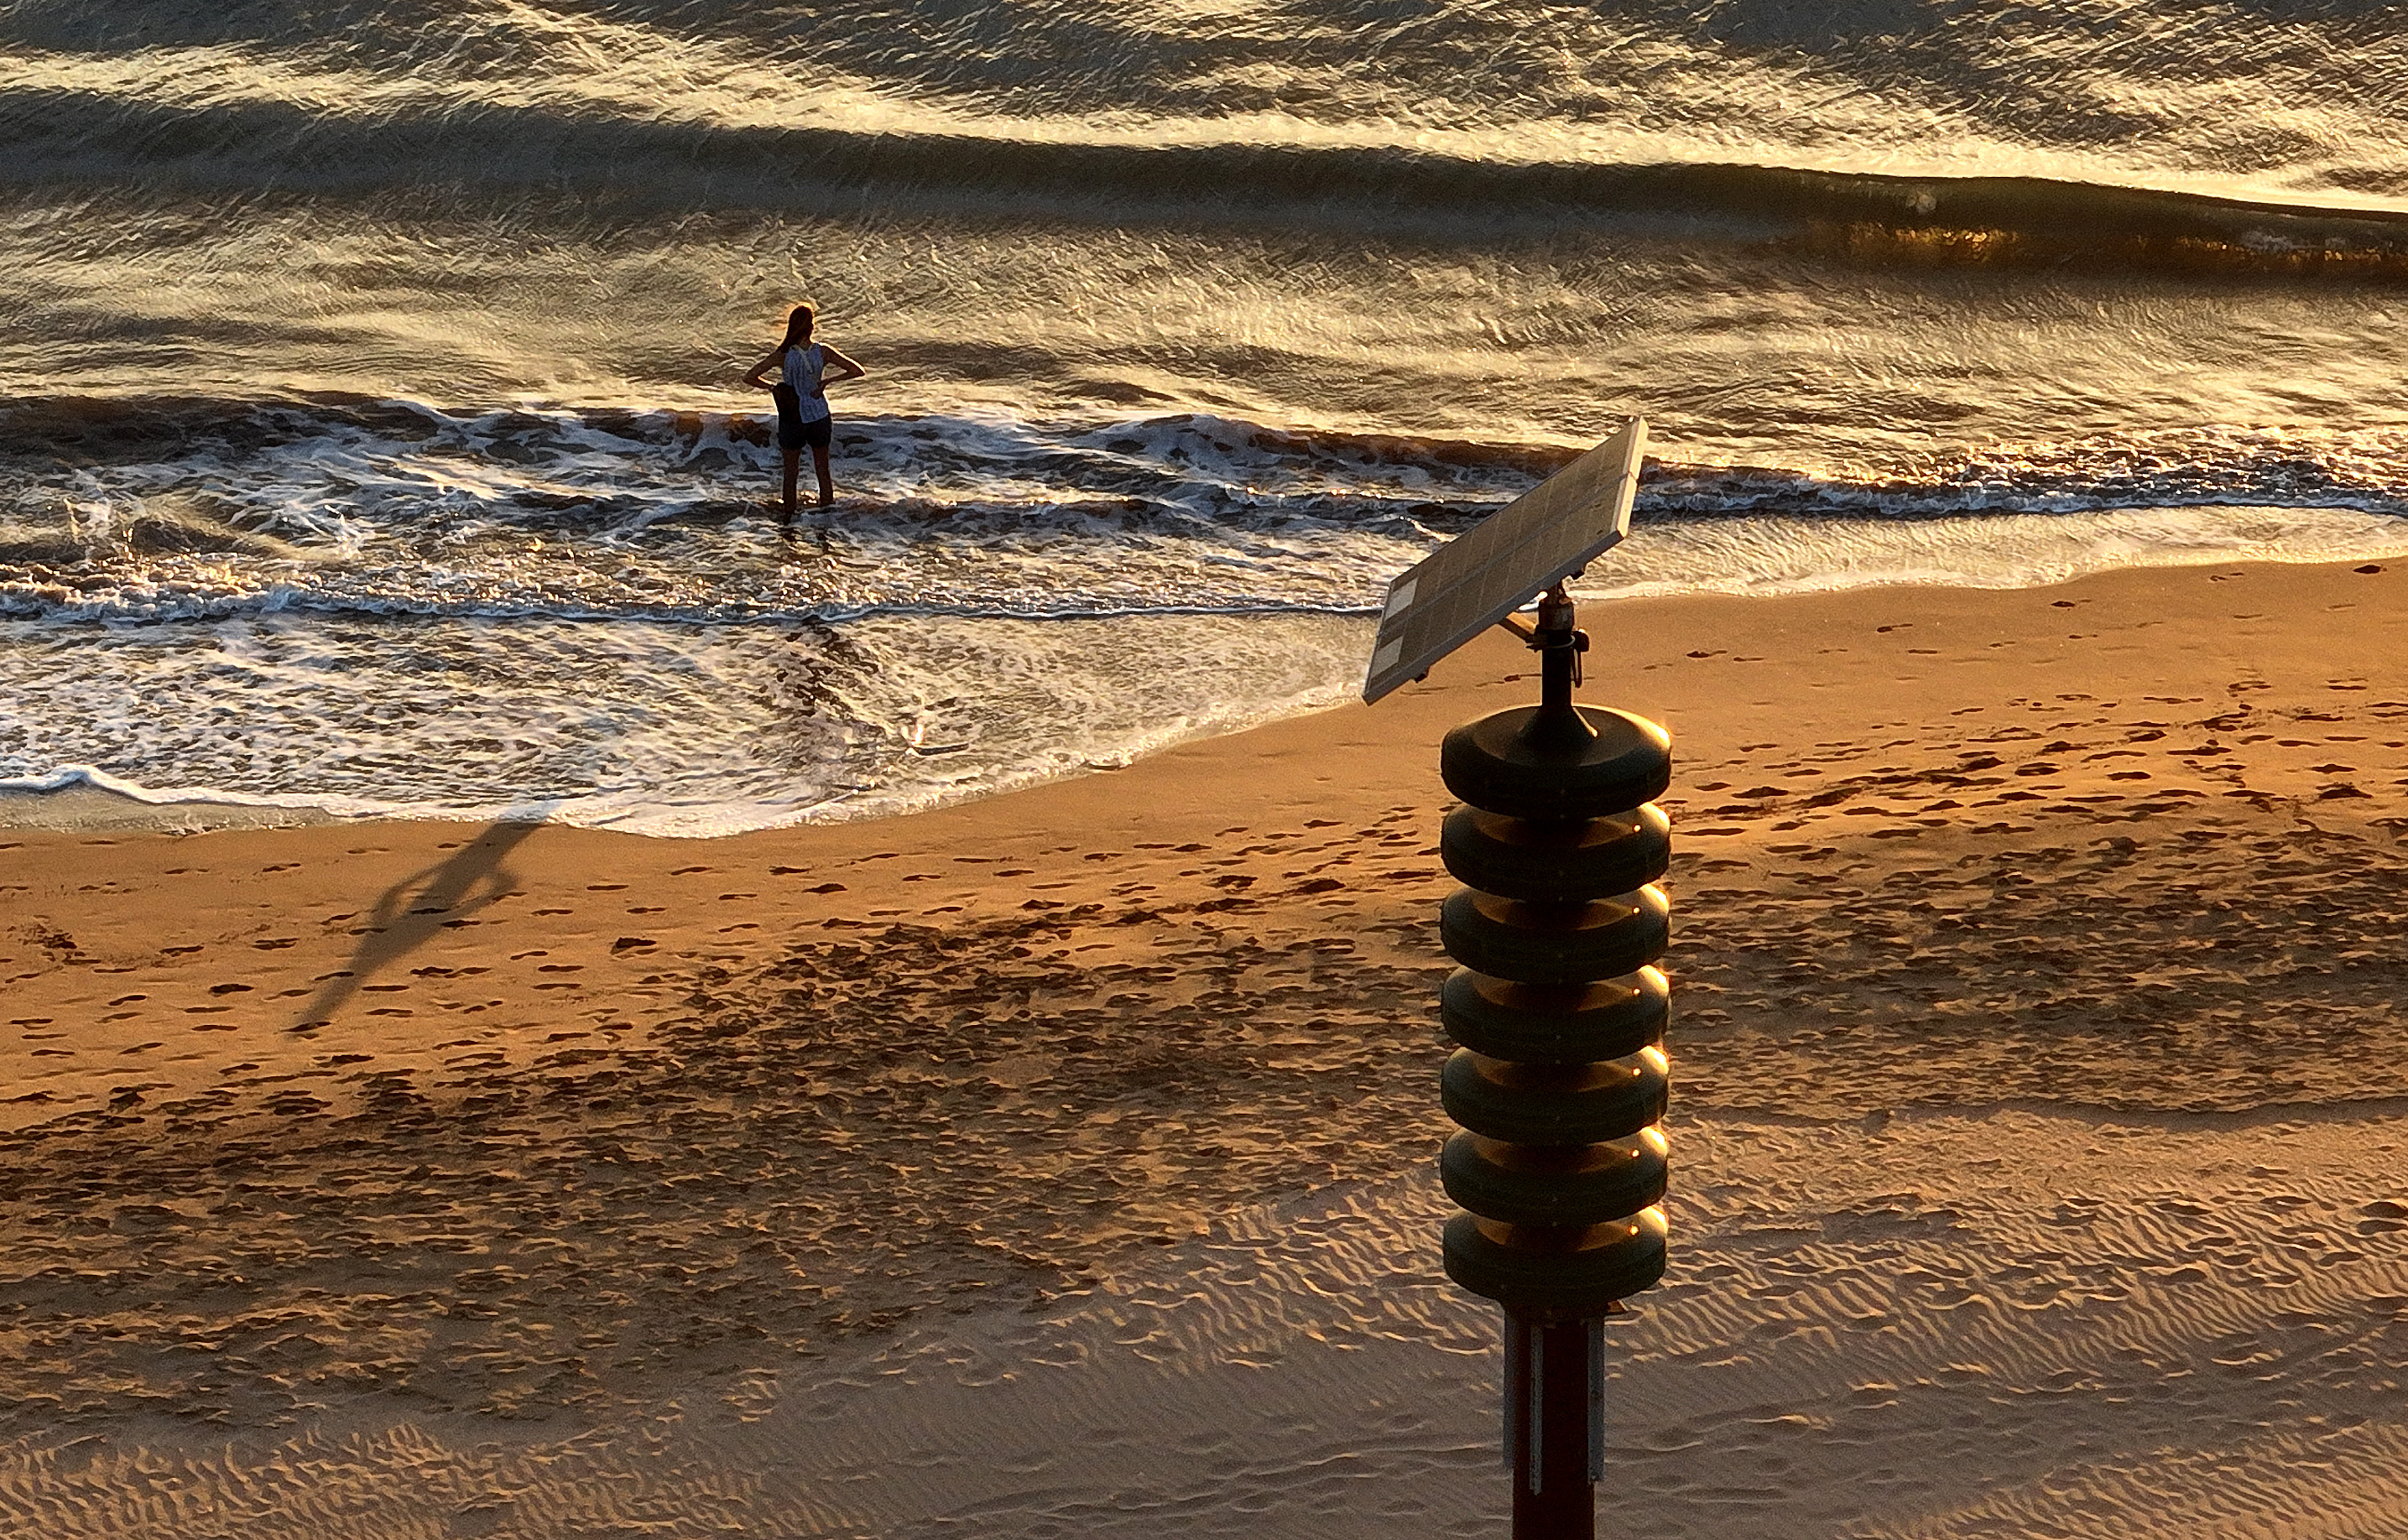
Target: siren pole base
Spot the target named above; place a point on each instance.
(1554, 1425)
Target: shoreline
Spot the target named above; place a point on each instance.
(1944, 557)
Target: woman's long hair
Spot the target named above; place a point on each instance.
(799, 328)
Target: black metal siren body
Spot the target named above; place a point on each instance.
(1560, 1163)
(1560, 1081)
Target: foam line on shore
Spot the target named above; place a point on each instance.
(677, 731)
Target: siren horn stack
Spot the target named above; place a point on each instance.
(1559, 1081)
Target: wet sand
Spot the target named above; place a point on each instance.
(1059, 1164)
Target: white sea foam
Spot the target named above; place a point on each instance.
(382, 609)
(655, 729)
(1771, 556)
(675, 729)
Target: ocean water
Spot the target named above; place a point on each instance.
(372, 437)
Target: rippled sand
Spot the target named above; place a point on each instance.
(1059, 1164)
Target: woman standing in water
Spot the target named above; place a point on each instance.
(801, 394)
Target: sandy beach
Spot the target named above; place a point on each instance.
(1061, 1164)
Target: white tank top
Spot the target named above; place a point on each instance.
(803, 368)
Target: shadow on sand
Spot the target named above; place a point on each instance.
(408, 914)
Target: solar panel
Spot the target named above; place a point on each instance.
(1489, 571)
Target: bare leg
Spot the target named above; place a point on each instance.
(794, 465)
(827, 488)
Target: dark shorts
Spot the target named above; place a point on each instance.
(794, 434)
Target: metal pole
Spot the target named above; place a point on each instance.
(1558, 724)
(1554, 1424)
